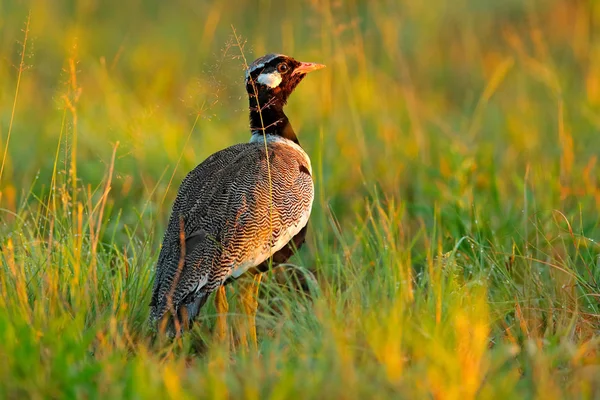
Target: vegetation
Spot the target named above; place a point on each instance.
(454, 235)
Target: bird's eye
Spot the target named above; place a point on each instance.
(282, 68)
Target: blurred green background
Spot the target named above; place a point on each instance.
(466, 131)
(419, 99)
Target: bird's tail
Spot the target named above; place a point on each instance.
(173, 323)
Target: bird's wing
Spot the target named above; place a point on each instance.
(232, 218)
(193, 187)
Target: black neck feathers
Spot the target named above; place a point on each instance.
(269, 82)
(267, 117)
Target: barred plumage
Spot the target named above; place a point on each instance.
(239, 207)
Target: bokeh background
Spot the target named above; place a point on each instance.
(455, 146)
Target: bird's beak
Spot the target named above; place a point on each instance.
(305, 68)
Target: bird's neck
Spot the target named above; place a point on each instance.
(269, 119)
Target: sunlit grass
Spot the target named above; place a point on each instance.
(454, 240)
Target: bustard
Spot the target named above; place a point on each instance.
(242, 208)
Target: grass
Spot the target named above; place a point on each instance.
(455, 231)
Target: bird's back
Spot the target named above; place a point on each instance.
(232, 212)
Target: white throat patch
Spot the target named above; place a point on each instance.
(271, 80)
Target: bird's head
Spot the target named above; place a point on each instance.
(272, 78)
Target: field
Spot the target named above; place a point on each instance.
(454, 245)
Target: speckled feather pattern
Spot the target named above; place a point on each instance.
(230, 219)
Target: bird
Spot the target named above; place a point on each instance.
(241, 211)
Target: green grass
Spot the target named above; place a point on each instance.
(456, 227)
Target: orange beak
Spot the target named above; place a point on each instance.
(305, 68)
